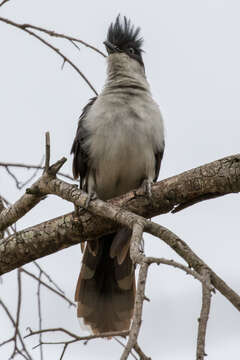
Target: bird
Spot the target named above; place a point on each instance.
(119, 145)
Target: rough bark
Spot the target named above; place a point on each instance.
(215, 179)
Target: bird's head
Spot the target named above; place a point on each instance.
(123, 37)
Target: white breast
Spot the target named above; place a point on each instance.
(125, 132)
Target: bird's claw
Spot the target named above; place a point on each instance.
(77, 212)
(91, 196)
(147, 186)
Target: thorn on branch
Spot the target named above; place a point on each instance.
(62, 66)
(75, 44)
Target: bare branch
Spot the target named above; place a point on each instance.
(189, 271)
(64, 350)
(28, 166)
(27, 201)
(58, 35)
(123, 345)
(2, 207)
(19, 184)
(140, 353)
(24, 352)
(13, 177)
(182, 249)
(63, 232)
(3, 2)
(48, 277)
(75, 337)
(39, 312)
(202, 326)
(166, 194)
(56, 50)
(136, 239)
(137, 315)
(47, 151)
(19, 282)
(47, 286)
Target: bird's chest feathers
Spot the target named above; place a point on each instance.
(121, 145)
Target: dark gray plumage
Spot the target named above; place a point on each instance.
(119, 144)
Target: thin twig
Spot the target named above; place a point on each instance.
(2, 207)
(40, 313)
(123, 345)
(58, 35)
(48, 287)
(47, 150)
(188, 270)
(182, 249)
(63, 352)
(140, 353)
(3, 2)
(137, 315)
(19, 282)
(48, 277)
(29, 166)
(13, 177)
(76, 337)
(66, 59)
(19, 184)
(202, 321)
(18, 332)
(5, 200)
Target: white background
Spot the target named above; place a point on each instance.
(192, 62)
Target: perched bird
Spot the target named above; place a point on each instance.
(118, 146)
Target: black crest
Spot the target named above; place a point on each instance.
(124, 35)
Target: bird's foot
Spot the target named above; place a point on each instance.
(147, 187)
(91, 196)
(77, 212)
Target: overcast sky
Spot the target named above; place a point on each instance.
(192, 63)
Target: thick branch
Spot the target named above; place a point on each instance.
(64, 231)
(215, 179)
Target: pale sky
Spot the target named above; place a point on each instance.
(192, 63)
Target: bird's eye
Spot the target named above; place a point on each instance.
(131, 51)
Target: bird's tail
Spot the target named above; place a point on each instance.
(106, 285)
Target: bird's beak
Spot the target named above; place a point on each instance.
(110, 47)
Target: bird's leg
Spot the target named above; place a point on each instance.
(91, 189)
(147, 187)
(77, 210)
(91, 196)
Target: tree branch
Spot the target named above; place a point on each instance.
(202, 327)
(3, 2)
(41, 282)
(166, 195)
(56, 50)
(29, 166)
(64, 231)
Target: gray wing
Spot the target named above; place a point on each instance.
(158, 160)
(80, 154)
